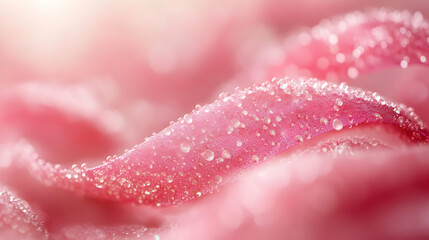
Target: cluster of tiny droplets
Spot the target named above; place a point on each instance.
(348, 146)
(109, 232)
(202, 150)
(16, 214)
(358, 42)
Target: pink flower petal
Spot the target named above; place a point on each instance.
(18, 220)
(199, 153)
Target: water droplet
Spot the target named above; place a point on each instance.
(309, 97)
(357, 52)
(255, 158)
(198, 194)
(324, 121)
(337, 124)
(378, 116)
(230, 129)
(226, 154)
(218, 179)
(169, 179)
(404, 64)
(267, 120)
(235, 123)
(340, 57)
(299, 138)
(208, 154)
(422, 59)
(397, 110)
(278, 119)
(185, 147)
(376, 96)
(352, 72)
(272, 132)
(239, 143)
(339, 102)
(333, 39)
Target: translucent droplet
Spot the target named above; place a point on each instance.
(235, 123)
(376, 96)
(352, 72)
(278, 118)
(185, 147)
(378, 116)
(337, 124)
(339, 102)
(272, 132)
(239, 143)
(397, 110)
(169, 179)
(404, 64)
(198, 194)
(189, 120)
(324, 121)
(299, 138)
(340, 57)
(333, 39)
(218, 179)
(208, 154)
(226, 154)
(267, 120)
(255, 158)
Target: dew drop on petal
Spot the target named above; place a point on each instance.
(226, 154)
(352, 72)
(299, 138)
(340, 57)
(378, 116)
(235, 123)
(218, 179)
(169, 179)
(185, 147)
(337, 124)
(189, 120)
(333, 39)
(404, 64)
(208, 154)
(239, 143)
